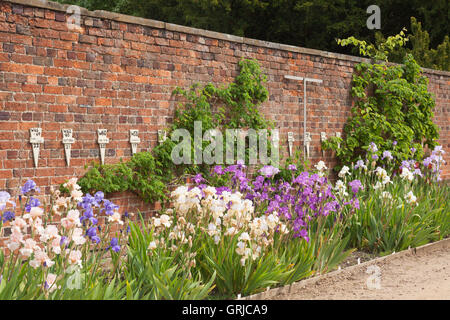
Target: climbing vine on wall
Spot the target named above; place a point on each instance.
(225, 107)
(392, 106)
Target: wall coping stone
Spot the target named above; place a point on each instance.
(200, 32)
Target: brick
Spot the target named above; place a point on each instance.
(8, 47)
(94, 78)
(87, 39)
(32, 88)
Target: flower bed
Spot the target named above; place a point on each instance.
(231, 233)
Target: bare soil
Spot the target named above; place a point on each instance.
(423, 275)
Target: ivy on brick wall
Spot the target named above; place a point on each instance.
(392, 108)
(149, 173)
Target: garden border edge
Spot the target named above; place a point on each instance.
(297, 286)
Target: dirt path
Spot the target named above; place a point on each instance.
(424, 275)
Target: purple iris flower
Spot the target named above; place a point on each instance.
(387, 154)
(109, 207)
(220, 190)
(329, 207)
(405, 164)
(427, 161)
(355, 203)
(92, 234)
(418, 172)
(114, 245)
(355, 185)
(359, 164)
(269, 171)
(87, 201)
(218, 170)
(232, 168)
(29, 186)
(258, 183)
(292, 167)
(394, 143)
(99, 196)
(198, 178)
(302, 179)
(64, 241)
(33, 202)
(89, 215)
(8, 216)
(373, 147)
(240, 164)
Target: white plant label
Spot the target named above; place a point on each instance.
(290, 142)
(323, 137)
(338, 134)
(102, 142)
(307, 143)
(36, 140)
(134, 140)
(162, 136)
(67, 141)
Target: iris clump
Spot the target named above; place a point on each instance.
(402, 203)
(234, 232)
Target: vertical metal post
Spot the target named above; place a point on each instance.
(304, 119)
(305, 80)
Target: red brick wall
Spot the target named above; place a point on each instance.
(118, 73)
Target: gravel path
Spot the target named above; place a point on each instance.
(421, 275)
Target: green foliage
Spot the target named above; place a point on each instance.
(147, 174)
(161, 273)
(329, 243)
(232, 107)
(419, 41)
(298, 161)
(233, 278)
(379, 51)
(392, 103)
(142, 175)
(384, 224)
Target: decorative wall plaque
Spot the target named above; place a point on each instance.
(102, 142)
(67, 141)
(290, 142)
(36, 140)
(162, 136)
(134, 140)
(307, 143)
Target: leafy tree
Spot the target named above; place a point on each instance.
(312, 24)
(419, 40)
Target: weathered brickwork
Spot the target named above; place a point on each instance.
(117, 72)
